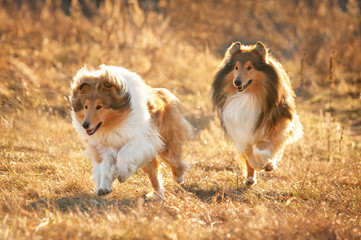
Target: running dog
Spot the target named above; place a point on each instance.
(126, 124)
(256, 105)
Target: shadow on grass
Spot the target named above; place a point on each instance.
(83, 202)
(218, 194)
(216, 167)
(242, 194)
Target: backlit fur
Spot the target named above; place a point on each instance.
(255, 103)
(126, 125)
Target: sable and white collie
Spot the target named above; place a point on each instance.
(256, 105)
(126, 124)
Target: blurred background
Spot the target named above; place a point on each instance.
(175, 44)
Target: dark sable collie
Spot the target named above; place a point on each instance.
(255, 103)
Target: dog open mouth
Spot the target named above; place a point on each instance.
(93, 130)
(242, 88)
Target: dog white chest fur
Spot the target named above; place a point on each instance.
(240, 115)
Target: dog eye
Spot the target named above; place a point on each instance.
(107, 85)
(236, 68)
(86, 107)
(98, 107)
(249, 68)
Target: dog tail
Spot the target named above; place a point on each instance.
(176, 110)
(188, 126)
(296, 130)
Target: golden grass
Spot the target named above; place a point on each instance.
(46, 191)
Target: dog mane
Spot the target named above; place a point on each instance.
(218, 95)
(278, 100)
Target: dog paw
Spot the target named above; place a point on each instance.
(103, 191)
(178, 179)
(250, 181)
(269, 166)
(156, 196)
(262, 157)
(124, 172)
(180, 171)
(122, 178)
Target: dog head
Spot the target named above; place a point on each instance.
(99, 99)
(249, 63)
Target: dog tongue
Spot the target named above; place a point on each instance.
(90, 131)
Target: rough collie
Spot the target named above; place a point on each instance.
(126, 124)
(256, 105)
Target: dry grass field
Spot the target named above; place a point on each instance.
(46, 190)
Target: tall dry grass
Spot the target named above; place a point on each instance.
(45, 181)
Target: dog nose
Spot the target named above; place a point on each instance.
(85, 124)
(237, 82)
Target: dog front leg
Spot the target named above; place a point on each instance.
(104, 186)
(263, 156)
(255, 157)
(107, 169)
(270, 150)
(103, 168)
(251, 174)
(93, 156)
(133, 156)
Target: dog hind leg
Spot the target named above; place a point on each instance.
(151, 169)
(178, 166)
(173, 152)
(175, 130)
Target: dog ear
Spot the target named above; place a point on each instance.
(84, 88)
(234, 48)
(108, 87)
(260, 49)
(106, 82)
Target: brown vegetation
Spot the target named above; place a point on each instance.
(45, 181)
